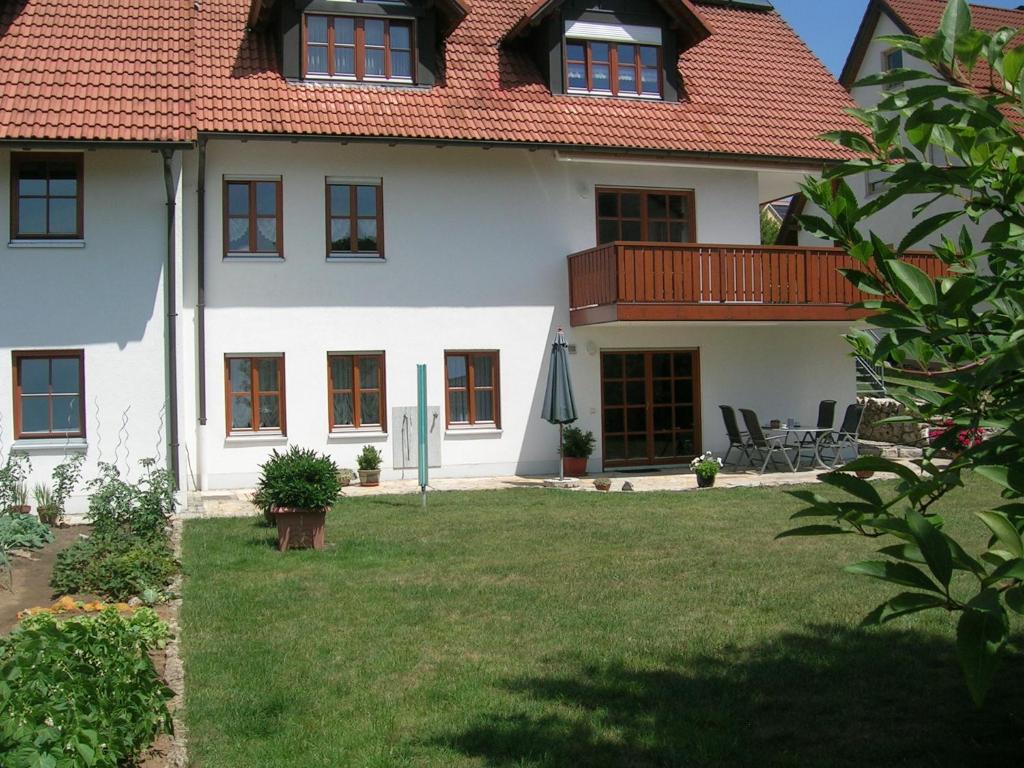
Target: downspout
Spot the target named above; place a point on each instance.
(171, 302)
(201, 281)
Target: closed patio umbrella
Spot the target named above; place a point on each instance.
(559, 402)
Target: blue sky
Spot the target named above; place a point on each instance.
(829, 26)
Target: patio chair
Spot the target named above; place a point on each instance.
(848, 435)
(738, 440)
(826, 420)
(767, 447)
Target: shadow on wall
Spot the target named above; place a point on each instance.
(824, 696)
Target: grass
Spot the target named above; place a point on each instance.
(540, 628)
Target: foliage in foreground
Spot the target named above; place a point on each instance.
(19, 531)
(953, 347)
(300, 478)
(81, 692)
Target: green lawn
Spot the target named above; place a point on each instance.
(544, 628)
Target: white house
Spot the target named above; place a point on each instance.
(357, 188)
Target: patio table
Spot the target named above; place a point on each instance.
(817, 437)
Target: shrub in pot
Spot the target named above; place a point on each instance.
(298, 488)
(603, 484)
(46, 506)
(345, 477)
(706, 468)
(577, 448)
(369, 462)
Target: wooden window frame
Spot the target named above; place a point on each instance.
(471, 388)
(885, 59)
(356, 392)
(21, 158)
(359, 49)
(613, 69)
(253, 252)
(354, 217)
(691, 203)
(255, 393)
(49, 354)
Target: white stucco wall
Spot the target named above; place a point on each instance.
(105, 298)
(476, 259)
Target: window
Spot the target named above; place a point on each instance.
(358, 48)
(619, 69)
(471, 388)
(355, 220)
(655, 216)
(892, 59)
(46, 196)
(255, 394)
(876, 181)
(49, 394)
(356, 384)
(252, 218)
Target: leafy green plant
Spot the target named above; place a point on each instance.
(369, 459)
(953, 347)
(22, 532)
(770, 228)
(117, 566)
(577, 444)
(81, 691)
(66, 476)
(706, 466)
(13, 475)
(300, 478)
(140, 509)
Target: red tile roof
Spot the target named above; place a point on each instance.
(752, 88)
(86, 70)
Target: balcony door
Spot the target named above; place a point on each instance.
(650, 407)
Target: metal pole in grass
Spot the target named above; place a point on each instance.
(421, 432)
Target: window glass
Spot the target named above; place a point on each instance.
(32, 179)
(63, 215)
(374, 62)
(357, 391)
(270, 412)
(341, 235)
(366, 200)
(64, 375)
(267, 369)
(363, 221)
(35, 375)
(32, 215)
(341, 199)
(316, 60)
(48, 394)
(46, 196)
(255, 386)
(35, 414)
(400, 39)
(238, 199)
(266, 198)
(369, 407)
(344, 31)
(341, 372)
(266, 234)
(317, 29)
(374, 31)
(343, 411)
(369, 373)
(457, 371)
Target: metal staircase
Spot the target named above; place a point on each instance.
(870, 378)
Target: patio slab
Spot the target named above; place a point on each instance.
(236, 503)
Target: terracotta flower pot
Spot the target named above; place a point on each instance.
(21, 509)
(574, 466)
(299, 528)
(48, 515)
(370, 478)
(864, 474)
(705, 481)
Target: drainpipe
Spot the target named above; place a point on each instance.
(171, 301)
(201, 280)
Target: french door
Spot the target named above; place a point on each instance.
(650, 407)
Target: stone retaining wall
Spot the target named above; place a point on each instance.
(878, 409)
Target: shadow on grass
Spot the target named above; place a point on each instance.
(825, 697)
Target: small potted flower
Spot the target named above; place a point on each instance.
(577, 447)
(345, 477)
(369, 462)
(298, 488)
(706, 468)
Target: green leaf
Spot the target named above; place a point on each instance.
(1015, 599)
(878, 464)
(863, 281)
(956, 22)
(927, 227)
(1011, 570)
(903, 605)
(814, 530)
(855, 486)
(980, 636)
(913, 284)
(933, 546)
(910, 553)
(1011, 477)
(1004, 531)
(896, 573)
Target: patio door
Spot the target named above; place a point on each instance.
(650, 407)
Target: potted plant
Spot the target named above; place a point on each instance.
(706, 467)
(298, 488)
(603, 484)
(13, 491)
(345, 477)
(577, 447)
(369, 466)
(46, 508)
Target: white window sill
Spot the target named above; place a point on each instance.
(50, 445)
(270, 258)
(356, 435)
(355, 258)
(257, 438)
(610, 95)
(470, 432)
(46, 244)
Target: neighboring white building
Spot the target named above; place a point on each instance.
(361, 188)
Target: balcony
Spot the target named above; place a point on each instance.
(623, 282)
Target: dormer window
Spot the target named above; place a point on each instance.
(613, 60)
(359, 49)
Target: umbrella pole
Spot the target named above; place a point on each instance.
(561, 463)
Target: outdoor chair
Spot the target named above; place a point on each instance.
(738, 440)
(826, 420)
(767, 447)
(848, 435)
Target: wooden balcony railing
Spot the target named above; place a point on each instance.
(654, 281)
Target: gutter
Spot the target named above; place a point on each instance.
(201, 282)
(171, 302)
